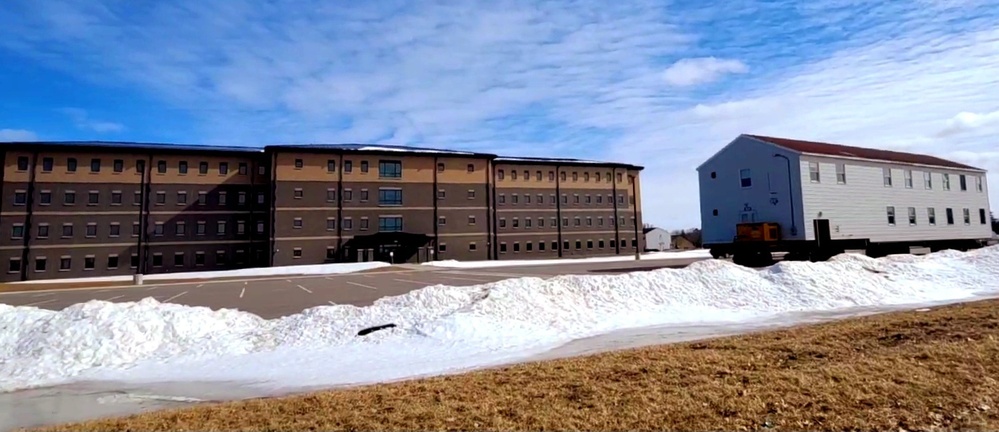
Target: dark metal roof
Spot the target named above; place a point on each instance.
(840, 150)
(375, 148)
(114, 145)
(564, 161)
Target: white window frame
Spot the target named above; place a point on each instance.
(841, 173)
(814, 175)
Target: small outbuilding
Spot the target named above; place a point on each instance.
(657, 239)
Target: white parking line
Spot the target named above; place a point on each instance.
(152, 288)
(174, 297)
(44, 294)
(304, 289)
(330, 302)
(362, 285)
(464, 279)
(241, 292)
(412, 282)
(115, 297)
(199, 286)
(40, 303)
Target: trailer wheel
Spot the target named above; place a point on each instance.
(717, 253)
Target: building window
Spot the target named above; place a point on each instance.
(20, 197)
(562, 175)
(472, 247)
(158, 229)
(199, 258)
(40, 264)
(223, 168)
(243, 169)
(513, 174)
(220, 258)
(981, 216)
(967, 216)
(364, 167)
(89, 262)
(43, 230)
(91, 229)
(912, 215)
(441, 194)
(118, 165)
(575, 176)
(180, 228)
(471, 194)
(202, 198)
(260, 198)
(841, 173)
(931, 215)
(348, 195)
(67, 230)
(260, 227)
(299, 164)
(22, 163)
(527, 222)
(203, 168)
(502, 247)
(140, 167)
(579, 244)
(298, 193)
(157, 260)
(261, 170)
(347, 224)
(516, 222)
(45, 197)
(95, 165)
(296, 223)
(222, 198)
(330, 253)
(330, 195)
(93, 198)
(441, 221)
(17, 231)
(364, 195)
(69, 198)
(515, 199)
(178, 259)
(470, 168)
(363, 226)
(114, 230)
(950, 216)
(112, 262)
(541, 222)
(946, 181)
(241, 198)
(908, 178)
(390, 223)
(502, 223)
(330, 165)
(71, 165)
(182, 167)
(471, 220)
(348, 166)
(116, 197)
(886, 173)
(135, 229)
(387, 169)
(161, 167)
(891, 215)
(65, 263)
(586, 177)
(330, 224)
(220, 228)
(440, 167)
(160, 198)
(541, 246)
(181, 198)
(963, 182)
(813, 172)
(551, 176)
(927, 180)
(577, 221)
(133, 261)
(978, 184)
(47, 164)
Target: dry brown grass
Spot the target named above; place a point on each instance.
(910, 370)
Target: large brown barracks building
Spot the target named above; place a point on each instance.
(79, 209)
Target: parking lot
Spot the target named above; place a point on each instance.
(273, 297)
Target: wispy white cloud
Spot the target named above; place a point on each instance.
(969, 121)
(582, 78)
(693, 71)
(81, 119)
(17, 135)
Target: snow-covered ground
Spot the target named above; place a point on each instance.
(697, 253)
(443, 329)
(300, 270)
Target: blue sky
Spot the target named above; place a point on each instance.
(658, 83)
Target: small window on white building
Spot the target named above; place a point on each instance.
(912, 215)
(891, 215)
(841, 173)
(908, 179)
(967, 217)
(928, 180)
(963, 181)
(931, 215)
(813, 171)
(946, 181)
(886, 173)
(745, 178)
(978, 183)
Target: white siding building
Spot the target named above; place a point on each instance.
(657, 239)
(869, 194)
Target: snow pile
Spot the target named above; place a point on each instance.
(299, 270)
(697, 253)
(39, 347)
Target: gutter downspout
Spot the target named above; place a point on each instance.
(558, 206)
(30, 204)
(145, 188)
(489, 209)
(617, 227)
(437, 198)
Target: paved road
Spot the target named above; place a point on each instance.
(279, 296)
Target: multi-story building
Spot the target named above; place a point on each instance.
(97, 209)
(76, 209)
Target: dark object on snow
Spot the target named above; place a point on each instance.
(374, 329)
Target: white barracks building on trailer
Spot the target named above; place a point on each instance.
(885, 198)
